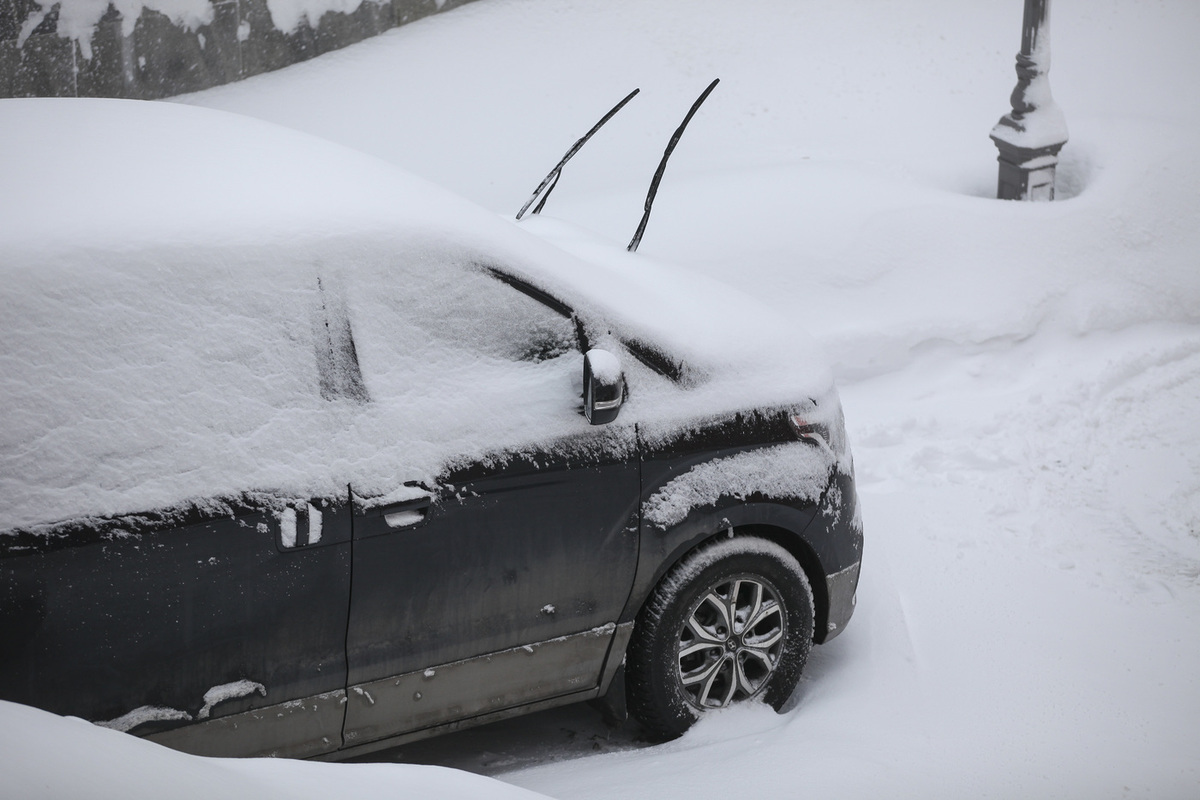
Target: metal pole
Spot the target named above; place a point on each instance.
(1031, 135)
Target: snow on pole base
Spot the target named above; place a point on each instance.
(1031, 135)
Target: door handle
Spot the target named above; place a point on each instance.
(405, 514)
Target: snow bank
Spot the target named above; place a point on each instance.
(106, 764)
(130, 174)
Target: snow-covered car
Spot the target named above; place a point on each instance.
(302, 455)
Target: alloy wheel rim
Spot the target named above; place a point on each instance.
(730, 642)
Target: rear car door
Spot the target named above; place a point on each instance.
(200, 634)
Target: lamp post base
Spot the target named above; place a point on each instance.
(1026, 174)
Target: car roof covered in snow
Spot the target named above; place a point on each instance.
(164, 270)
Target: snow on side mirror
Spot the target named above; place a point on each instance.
(603, 386)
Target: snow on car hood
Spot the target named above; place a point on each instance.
(162, 308)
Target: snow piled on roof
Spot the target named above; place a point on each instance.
(124, 174)
(175, 321)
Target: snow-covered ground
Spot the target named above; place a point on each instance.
(1021, 381)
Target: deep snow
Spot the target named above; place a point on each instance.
(1021, 382)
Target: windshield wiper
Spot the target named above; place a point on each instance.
(551, 180)
(662, 165)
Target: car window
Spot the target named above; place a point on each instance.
(473, 310)
(459, 364)
(435, 321)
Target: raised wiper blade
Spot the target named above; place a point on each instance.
(551, 180)
(662, 165)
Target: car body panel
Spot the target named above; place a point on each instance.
(822, 530)
(136, 630)
(519, 553)
(301, 728)
(442, 693)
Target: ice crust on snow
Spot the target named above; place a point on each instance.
(794, 471)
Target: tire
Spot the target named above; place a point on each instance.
(684, 657)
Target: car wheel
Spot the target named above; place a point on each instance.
(732, 621)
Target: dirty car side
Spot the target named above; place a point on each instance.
(335, 497)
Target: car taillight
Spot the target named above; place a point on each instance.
(816, 433)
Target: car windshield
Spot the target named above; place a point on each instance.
(650, 354)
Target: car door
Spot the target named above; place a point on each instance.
(498, 581)
(199, 632)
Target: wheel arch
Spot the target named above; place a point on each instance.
(786, 525)
(807, 558)
(643, 684)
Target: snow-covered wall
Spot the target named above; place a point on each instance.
(158, 48)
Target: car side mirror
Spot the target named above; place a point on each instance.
(603, 386)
